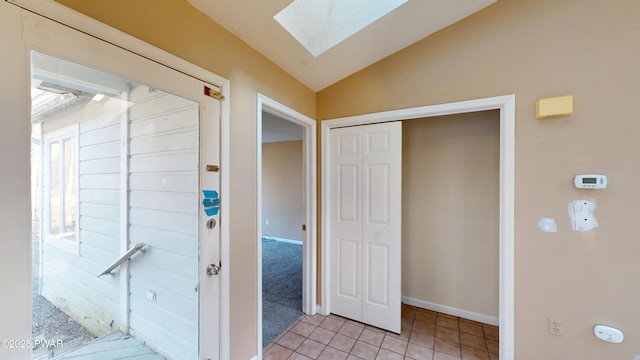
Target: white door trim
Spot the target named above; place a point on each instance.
(72, 19)
(309, 184)
(506, 105)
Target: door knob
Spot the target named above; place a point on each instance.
(213, 269)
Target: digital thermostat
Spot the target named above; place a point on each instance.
(590, 181)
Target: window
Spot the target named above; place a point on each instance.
(61, 178)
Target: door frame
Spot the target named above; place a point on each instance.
(506, 105)
(53, 11)
(309, 179)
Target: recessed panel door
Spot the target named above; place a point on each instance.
(346, 202)
(365, 220)
(381, 205)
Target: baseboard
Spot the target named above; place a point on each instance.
(319, 309)
(254, 358)
(297, 242)
(487, 319)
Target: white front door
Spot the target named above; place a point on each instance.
(209, 224)
(142, 152)
(366, 179)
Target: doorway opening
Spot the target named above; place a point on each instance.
(101, 122)
(282, 211)
(117, 179)
(506, 107)
(286, 217)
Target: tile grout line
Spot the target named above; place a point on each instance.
(436, 334)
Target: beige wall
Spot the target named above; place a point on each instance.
(535, 49)
(282, 196)
(176, 27)
(450, 192)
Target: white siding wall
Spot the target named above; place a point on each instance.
(164, 214)
(69, 279)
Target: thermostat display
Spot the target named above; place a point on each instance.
(590, 181)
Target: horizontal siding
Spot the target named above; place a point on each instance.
(101, 135)
(169, 162)
(100, 196)
(165, 104)
(70, 280)
(99, 241)
(102, 166)
(156, 279)
(109, 115)
(102, 258)
(166, 322)
(157, 124)
(186, 203)
(181, 223)
(100, 181)
(171, 311)
(175, 182)
(103, 296)
(180, 244)
(163, 213)
(71, 284)
(183, 140)
(149, 104)
(181, 301)
(164, 340)
(155, 259)
(82, 274)
(100, 151)
(100, 211)
(103, 227)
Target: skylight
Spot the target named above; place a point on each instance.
(320, 25)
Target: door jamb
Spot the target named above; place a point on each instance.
(310, 190)
(506, 105)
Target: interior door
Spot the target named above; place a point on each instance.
(366, 179)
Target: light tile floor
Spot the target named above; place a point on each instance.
(425, 335)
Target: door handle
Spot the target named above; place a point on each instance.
(214, 269)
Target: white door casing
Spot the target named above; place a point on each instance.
(366, 181)
(265, 104)
(506, 105)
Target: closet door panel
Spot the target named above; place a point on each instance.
(366, 170)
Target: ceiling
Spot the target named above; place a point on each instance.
(275, 129)
(253, 22)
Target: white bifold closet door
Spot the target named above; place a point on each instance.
(365, 235)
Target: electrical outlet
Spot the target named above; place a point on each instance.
(555, 326)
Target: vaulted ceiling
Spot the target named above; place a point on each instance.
(253, 22)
